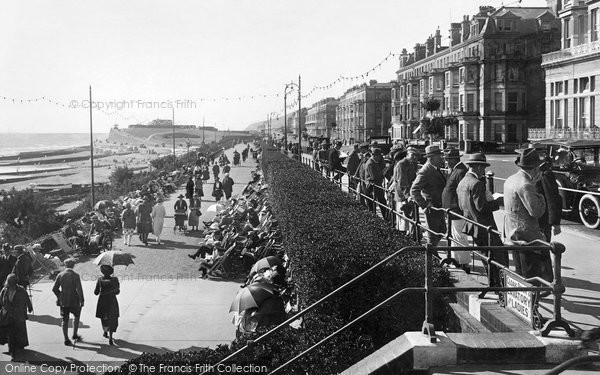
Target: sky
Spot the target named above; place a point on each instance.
(221, 62)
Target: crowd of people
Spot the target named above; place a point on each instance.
(446, 182)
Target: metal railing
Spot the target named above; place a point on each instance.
(556, 287)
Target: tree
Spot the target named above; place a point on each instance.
(430, 104)
(29, 215)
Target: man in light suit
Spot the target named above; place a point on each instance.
(478, 205)
(523, 206)
(427, 189)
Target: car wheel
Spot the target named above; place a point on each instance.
(589, 208)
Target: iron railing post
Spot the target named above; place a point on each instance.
(416, 226)
(557, 321)
(489, 178)
(428, 328)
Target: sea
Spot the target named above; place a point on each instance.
(15, 143)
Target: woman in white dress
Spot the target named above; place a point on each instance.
(158, 219)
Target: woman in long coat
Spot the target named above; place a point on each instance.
(189, 189)
(198, 188)
(144, 220)
(15, 304)
(158, 219)
(107, 309)
(194, 216)
(128, 220)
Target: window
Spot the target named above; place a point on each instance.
(552, 89)
(583, 113)
(592, 83)
(471, 102)
(566, 113)
(499, 73)
(454, 99)
(498, 105)
(447, 77)
(461, 75)
(422, 86)
(575, 81)
(558, 86)
(430, 84)
(584, 84)
(506, 25)
(511, 133)
(582, 35)
(512, 102)
(438, 83)
(592, 111)
(567, 33)
(513, 73)
(558, 114)
(461, 102)
(594, 25)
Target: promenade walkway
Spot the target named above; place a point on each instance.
(164, 304)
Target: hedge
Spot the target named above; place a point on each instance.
(330, 239)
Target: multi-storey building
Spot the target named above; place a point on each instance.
(364, 111)
(571, 91)
(489, 81)
(320, 118)
(292, 121)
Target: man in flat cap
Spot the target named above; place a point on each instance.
(334, 161)
(427, 189)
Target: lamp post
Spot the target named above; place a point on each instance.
(285, 92)
(269, 129)
(188, 143)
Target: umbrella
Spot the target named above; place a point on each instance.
(215, 208)
(251, 296)
(114, 258)
(267, 262)
(102, 204)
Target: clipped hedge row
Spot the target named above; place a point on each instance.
(330, 239)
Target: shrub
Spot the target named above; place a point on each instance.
(330, 239)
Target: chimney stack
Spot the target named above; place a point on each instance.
(430, 46)
(465, 26)
(455, 33)
(437, 40)
(403, 57)
(419, 52)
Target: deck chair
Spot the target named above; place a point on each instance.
(222, 264)
(64, 243)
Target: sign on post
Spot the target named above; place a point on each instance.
(519, 303)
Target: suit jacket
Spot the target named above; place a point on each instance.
(334, 160)
(548, 187)
(449, 197)
(428, 186)
(523, 207)
(360, 172)
(405, 173)
(353, 162)
(471, 195)
(374, 172)
(67, 288)
(23, 269)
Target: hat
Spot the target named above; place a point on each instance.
(106, 270)
(388, 159)
(399, 154)
(432, 150)
(376, 151)
(452, 153)
(528, 158)
(338, 143)
(19, 248)
(477, 158)
(69, 263)
(180, 196)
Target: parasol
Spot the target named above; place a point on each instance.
(215, 208)
(114, 258)
(251, 296)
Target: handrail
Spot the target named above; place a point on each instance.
(317, 303)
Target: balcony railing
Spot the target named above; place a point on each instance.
(575, 51)
(541, 133)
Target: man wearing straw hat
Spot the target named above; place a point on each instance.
(458, 170)
(478, 205)
(427, 189)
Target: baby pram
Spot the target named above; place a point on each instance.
(180, 218)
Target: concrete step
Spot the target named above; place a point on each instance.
(413, 350)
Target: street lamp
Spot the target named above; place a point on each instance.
(285, 92)
(188, 143)
(269, 117)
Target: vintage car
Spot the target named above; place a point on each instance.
(384, 142)
(577, 168)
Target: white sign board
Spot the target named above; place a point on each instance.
(520, 303)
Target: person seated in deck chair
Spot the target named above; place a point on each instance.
(206, 265)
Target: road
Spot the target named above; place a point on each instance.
(164, 304)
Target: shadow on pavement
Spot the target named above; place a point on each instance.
(36, 358)
(580, 284)
(53, 321)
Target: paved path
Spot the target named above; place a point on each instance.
(164, 305)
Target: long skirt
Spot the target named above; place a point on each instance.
(110, 324)
(193, 218)
(15, 335)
